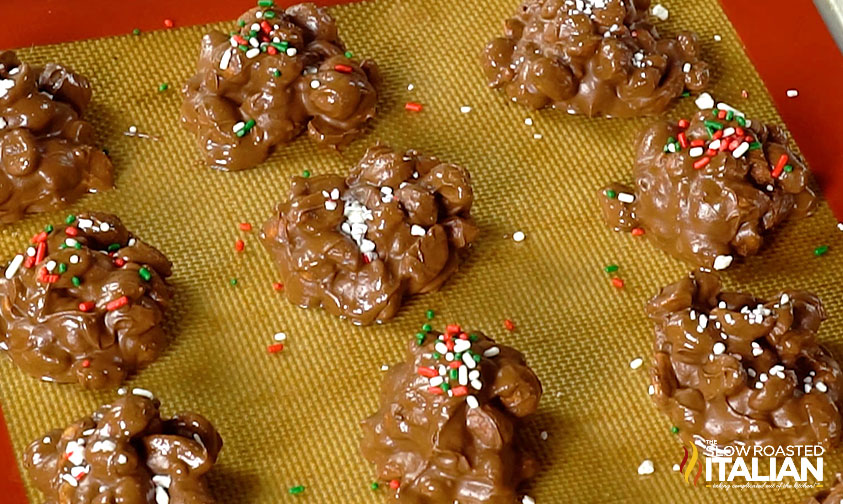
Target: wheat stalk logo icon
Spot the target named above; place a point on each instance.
(686, 467)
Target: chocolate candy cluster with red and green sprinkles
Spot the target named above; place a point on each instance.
(84, 303)
(446, 430)
(708, 188)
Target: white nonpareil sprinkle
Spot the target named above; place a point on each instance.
(70, 480)
(162, 480)
(384, 367)
(465, 109)
(636, 363)
(103, 446)
(74, 259)
(133, 129)
(651, 390)
(661, 12)
(143, 393)
(807, 388)
(528, 121)
(2, 123)
(543, 435)
(646, 467)
(741, 150)
(280, 336)
(491, 352)
(696, 151)
(821, 387)
(238, 126)
(537, 136)
(528, 500)
(625, 197)
(704, 101)
(314, 84)
(686, 67)
(14, 266)
(105, 227)
(330, 205)
(226, 59)
(161, 496)
(722, 262)
(417, 230)
(121, 459)
(792, 93)
(717, 38)
(5, 86)
(518, 236)
(676, 467)
(718, 348)
(292, 51)
(410, 87)
(472, 401)
(784, 299)
(253, 52)
(840, 226)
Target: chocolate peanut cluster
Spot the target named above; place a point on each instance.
(736, 369)
(592, 57)
(47, 154)
(447, 427)
(280, 72)
(708, 189)
(357, 245)
(84, 303)
(126, 453)
(833, 495)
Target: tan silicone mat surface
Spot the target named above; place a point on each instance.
(291, 419)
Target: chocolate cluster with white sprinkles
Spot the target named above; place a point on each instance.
(592, 57)
(84, 303)
(47, 155)
(448, 425)
(278, 73)
(736, 369)
(357, 245)
(126, 453)
(708, 189)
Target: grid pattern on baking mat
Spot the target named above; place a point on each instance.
(291, 419)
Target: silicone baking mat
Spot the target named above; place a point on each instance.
(292, 418)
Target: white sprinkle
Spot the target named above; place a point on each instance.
(821, 387)
(465, 109)
(473, 375)
(255, 27)
(741, 150)
(254, 42)
(161, 496)
(676, 467)
(367, 246)
(461, 345)
(469, 361)
(133, 129)
(543, 435)
(30, 251)
(756, 350)
(162, 480)
(330, 205)
(537, 136)
(722, 262)
(14, 266)
(714, 145)
(646, 467)
(143, 393)
(292, 51)
(528, 121)
(625, 197)
(70, 242)
(491, 352)
(686, 67)
(763, 377)
(472, 401)
(281, 336)
(74, 259)
(462, 375)
(314, 84)
(238, 126)
(476, 384)
(51, 265)
(528, 500)
(103, 446)
(417, 230)
(518, 236)
(718, 348)
(335, 194)
(807, 388)
(696, 151)
(651, 390)
(121, 459)
(253, 52)
(436, 381)
(70, 480)
(105, 227)
(384, 367)
(441, 347)
(410, 87)
(636, 363)
(840, 226)
(717, 38)
(704, 101)
(792, 93)
(77, 472)
(785, 299)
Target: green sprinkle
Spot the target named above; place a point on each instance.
(674, 429)
(472, 337)
(436, 355)
(70, 219)
(427, 328)
(476, 357)
(241, 22)
(445, 387)
(374, 485)
(277, 73)
(281, 46)
(420, 338)
(136, 31)
(114, 247)
(233, 282)
(48, 228)
(686, 94)
(430, 314)
(265, 3)
(821, 250)
(62, 268)
(741, 121)
(62, 246)
(249, 124)
(755, 145)
(253, 33)
(612, 194)
(305, 174)
(788, 168)
(76, 281)
(458, 356)
(349, 54)
(163, 87)
(453, 374)
(714, 112)
(611, 268)
(710, 131)
(296, 489)
(730, 115)
(713, 125)
(243, 48)
(145, 274)
(269, 14)
(78, 246)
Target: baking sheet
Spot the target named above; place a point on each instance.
(291, 419)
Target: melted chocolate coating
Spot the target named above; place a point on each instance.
(47, 154)
(126, 453)
(833, 495)
(309, 84)
(603, 60)
(59, 331)
(734, 368)
(357, 246)
(707, 216)
(460, 445)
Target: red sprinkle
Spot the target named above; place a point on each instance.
(29, 262)
(697, 143)
(271, 50)
(119, 262)
(683, 140)
(777, 171)
(455, 364)
(710, 152)
(435, 390)
(343, 69)
(684, 123)
(452, 329)
(86, 363)
(275, 348)
(239, 245)
(40, 237)
(617, 282)
(427, 372)
(245, 226)
(117, 303)
(71, 231)
(169, 23)
(721, 114)
(40, 253)
(744, 93)
(463, 335)
(413, 106)
(240, 40)
(638, 231)
(717, 134)
(734, 144)
(739, 131)
(460, 391)
(700, 163)
(266, 27)
(394, 484)
(86, 306)
(509, 325)
(277, 286)
(450, 344)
